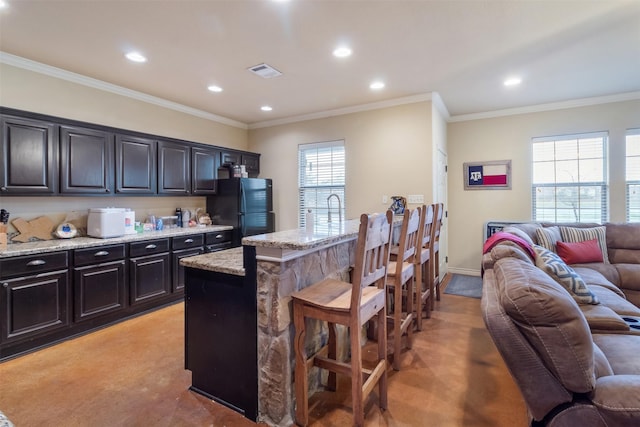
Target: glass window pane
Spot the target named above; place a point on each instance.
(544, 173)
(591, 170)
(544, 151)
(567, 171)
(567, 149)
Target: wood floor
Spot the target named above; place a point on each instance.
(132, 374)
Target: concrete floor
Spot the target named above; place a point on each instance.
(132, 374)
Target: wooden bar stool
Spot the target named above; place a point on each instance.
(435, 251)
(423, 282)
(400, 275)
(352, 305)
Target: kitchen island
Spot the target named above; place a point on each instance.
(239, 326)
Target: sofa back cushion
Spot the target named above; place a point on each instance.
(550, 320)
(623, 243)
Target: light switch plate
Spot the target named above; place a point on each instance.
(415, 198)
(385, 199)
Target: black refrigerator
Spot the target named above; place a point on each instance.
(244, 203)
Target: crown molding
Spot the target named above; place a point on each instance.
(342, 111)
(27, 64)
(575, 103)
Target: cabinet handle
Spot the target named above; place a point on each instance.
(3, 188)
(101, 253)
(218, 236)
(188, 240)
(36, 262)
(5, 285)
(106, 190)
(151, 246)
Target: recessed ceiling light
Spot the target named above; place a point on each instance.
(376, 85)
(266, 108)
(342, 52)
(214, 88)
(3, 4)
(136, 57)
(513, 81)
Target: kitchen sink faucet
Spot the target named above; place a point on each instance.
(329, 207)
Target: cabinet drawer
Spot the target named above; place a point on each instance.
(31, 264)
(184, 242)
(219, 237)
(148, 247)
(97, 255)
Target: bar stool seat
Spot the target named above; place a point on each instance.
(352, 305)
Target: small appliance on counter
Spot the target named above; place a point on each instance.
(106, 222)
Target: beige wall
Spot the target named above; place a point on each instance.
(389, 152)
(35, 92)
(510, 138)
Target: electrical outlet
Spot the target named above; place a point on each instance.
(415, 198)
(385, 199)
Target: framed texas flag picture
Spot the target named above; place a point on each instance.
(493, 175)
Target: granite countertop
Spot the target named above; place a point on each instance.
(16, 249)
(228, 261)
(299, 239)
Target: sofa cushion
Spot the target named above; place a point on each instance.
(602, 319)
(550, 320)
(621, 351)
(580, 252)
(508, 249)
(548, 236)
(553, 265)
(578, 234)
(614, 301)
(601, 365)
(599, 273)
(629, 275)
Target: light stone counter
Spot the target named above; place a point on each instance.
(17, 249)
(228, 261)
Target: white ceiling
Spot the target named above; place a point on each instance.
(463, 50)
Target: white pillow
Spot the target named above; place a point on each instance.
(548, 236)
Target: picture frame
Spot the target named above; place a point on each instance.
(489, 175)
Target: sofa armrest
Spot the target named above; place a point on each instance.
(617, 398)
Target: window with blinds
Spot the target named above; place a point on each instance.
(569, 182)
(633, 175)
(321, 173)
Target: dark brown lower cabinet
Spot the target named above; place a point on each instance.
(99, 289)
(32, 306)
(178, 270)
(149, 278)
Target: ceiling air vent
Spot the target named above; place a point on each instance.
(265, 71)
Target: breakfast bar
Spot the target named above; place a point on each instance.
(239, 326)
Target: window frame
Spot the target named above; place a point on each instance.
(629, 183)
(581, 214)
(337, 184)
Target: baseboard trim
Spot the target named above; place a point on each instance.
(465, 271)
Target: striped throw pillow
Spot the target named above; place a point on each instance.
(548, 236)
(577, 235)
(554, 266)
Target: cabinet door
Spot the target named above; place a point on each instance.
(229, 158)
(135, 165)
(28, 157)
(204, 163)
(34, 305)
(149, 278)
(98, 289)
(86, 161)
(178, 270)
(252, 164)
(174, 171)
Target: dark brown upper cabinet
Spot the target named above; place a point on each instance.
(135, 165)
(229, 158)
(28, 157)
(204, 170)
(174, 168)
(86, 161)
(252, 164)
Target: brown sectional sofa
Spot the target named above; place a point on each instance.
(575, 364)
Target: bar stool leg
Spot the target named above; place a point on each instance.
(332, 354)
(301, 375)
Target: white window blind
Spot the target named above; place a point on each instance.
(633, 175)
(570, 178)
(321, 173)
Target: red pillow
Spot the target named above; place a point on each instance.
(581, 252)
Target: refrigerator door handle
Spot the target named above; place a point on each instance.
(243, 198)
